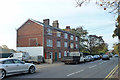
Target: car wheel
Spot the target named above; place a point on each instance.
(32, 70)
(3, 74)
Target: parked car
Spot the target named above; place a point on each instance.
(105, 57)
(100, 56)
(116, 55)
(96, 57)
(91, 57)
(87, 58)
(110, 55)
(13, 66)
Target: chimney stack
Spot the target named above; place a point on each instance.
(67, 28)
(55, 24)
(46, 21)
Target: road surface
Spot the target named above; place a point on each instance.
(94, 69)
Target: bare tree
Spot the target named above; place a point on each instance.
(106, 4)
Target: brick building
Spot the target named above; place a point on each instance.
(56, 42)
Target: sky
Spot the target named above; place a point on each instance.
(91, 16)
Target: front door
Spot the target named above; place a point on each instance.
(55, 56)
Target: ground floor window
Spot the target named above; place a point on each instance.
(50, 54)
(59, 54)
(65, 53)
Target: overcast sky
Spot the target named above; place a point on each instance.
(15, 12)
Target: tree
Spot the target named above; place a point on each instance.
(95, 44)
(103, 3)
(116, 48)
(79, 31)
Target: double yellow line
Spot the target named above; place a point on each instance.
(111, 73)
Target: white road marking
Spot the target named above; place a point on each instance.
(101, 63)
(105, 61)
(75, 73)
(92, 66)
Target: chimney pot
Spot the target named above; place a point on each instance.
(67, 28)
(46, 21)
(55, 24)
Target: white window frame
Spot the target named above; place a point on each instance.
(65, 44)
(65, 35)
(65, 53)
(49, 31)
(76, 38)
(71, 45)
(60, 55)
(51, 55)
(76, 45)
(71, 37)
(58, 34)
(58, 43)
(49, 43)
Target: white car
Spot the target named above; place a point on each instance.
(10, 66)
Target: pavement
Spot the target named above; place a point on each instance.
(47, 65)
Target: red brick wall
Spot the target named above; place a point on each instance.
(55, 48)
(27, 31)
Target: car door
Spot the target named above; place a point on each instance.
(9, 66)
(21, 66)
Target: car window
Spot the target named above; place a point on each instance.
(17, 61)
(8, 62)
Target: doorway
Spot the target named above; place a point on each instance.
(55, 56)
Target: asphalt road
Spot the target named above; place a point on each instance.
(95, 69)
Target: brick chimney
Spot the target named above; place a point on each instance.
(46, 21)
(67, 28)
(55, 24)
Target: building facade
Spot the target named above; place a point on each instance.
(55, 41)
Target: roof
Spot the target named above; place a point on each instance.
(58, 29)
(40, 23)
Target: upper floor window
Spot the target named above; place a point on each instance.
(71, 37)
(71, 45)
(76, 45)
(58, 34)
(58, 44)
(76, 38)
(65, 44)
(49, 31)
(49, 43)
(65, 35)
